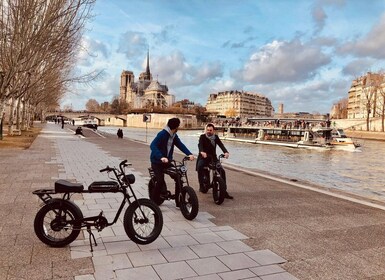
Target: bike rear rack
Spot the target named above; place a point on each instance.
(44, 194)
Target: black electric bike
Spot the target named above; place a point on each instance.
(217, 183)
(60, 220)
(185, 196)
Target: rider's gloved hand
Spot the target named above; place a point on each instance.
(227, 155)
(164, 160)
(191, 157)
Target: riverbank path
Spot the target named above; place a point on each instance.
(197, 249)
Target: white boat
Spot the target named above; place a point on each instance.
(338, 138)
(306, 138)
(87, 122)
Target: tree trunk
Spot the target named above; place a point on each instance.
(24, 125)
(18, 115)
(11, 117)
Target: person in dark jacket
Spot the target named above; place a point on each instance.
(207, 145)
(162, 149)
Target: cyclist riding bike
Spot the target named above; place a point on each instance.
(162, 149)
(207, 151)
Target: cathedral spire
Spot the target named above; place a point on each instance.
(148, 63)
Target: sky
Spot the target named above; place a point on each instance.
(300, 53)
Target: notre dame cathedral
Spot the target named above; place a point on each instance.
(146, 92)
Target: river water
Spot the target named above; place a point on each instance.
(359, 172)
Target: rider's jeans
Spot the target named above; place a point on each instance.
(159, 175)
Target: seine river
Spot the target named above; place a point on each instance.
(360, 172)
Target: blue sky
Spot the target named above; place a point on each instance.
(301, 53)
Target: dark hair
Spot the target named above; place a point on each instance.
(173, 123)
(210, 125)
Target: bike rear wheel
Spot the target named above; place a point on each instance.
(219, 190)
(153, 194)
(143, 221)
(57, 223)
(188, 203)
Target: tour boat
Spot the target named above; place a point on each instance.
(321, 138)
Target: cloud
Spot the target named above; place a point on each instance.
(282, 61)
(357, 67)
(133, 45)
(236, 45)
(370, 45)
(319, 17)
(90, 50)
(165, 36)
(177, 72)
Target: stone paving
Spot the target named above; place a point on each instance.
(185, 249)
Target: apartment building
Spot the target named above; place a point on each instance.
(239, 104)
(366, 91)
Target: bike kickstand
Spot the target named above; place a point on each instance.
(89, 237)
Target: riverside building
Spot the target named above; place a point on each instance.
(366, 92)
(146, 92)
(239, 104)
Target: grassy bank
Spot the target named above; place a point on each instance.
(22, 141)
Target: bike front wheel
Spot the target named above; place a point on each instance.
(188, 203)
(219, 190)
(57, 223)
(143, 221)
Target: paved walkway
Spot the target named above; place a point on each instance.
(195, 249)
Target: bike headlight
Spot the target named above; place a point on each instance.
(183, 168)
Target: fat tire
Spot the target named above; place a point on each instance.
(134, 229)
(151, 192)
(219, 190)
(46, 217)
(188, 203)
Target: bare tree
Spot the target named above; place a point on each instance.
(92, 106)
(39, 40)
(371, 84)
(380, 101)
(340, 109)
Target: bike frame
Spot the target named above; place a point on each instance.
(177, 171)
(99, 221)
(213, 169)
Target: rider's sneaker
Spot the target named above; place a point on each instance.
(228, 196)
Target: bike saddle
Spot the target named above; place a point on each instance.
(63, 186)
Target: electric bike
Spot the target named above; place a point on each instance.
(60, 220)
(184, 196)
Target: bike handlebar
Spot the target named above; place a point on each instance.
(121, 165)
(108, 169)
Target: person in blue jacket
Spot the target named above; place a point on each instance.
(162, 149)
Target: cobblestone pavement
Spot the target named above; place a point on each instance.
(196, 249)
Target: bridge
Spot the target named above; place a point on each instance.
(101, 118)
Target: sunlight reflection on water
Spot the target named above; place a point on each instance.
(361, 173)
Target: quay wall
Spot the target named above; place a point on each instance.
(160, 120)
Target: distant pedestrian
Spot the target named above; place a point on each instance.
(79, 131)
(120, 133)
(62, 122)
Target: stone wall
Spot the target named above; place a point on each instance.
(375, 124)
(160, 120)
